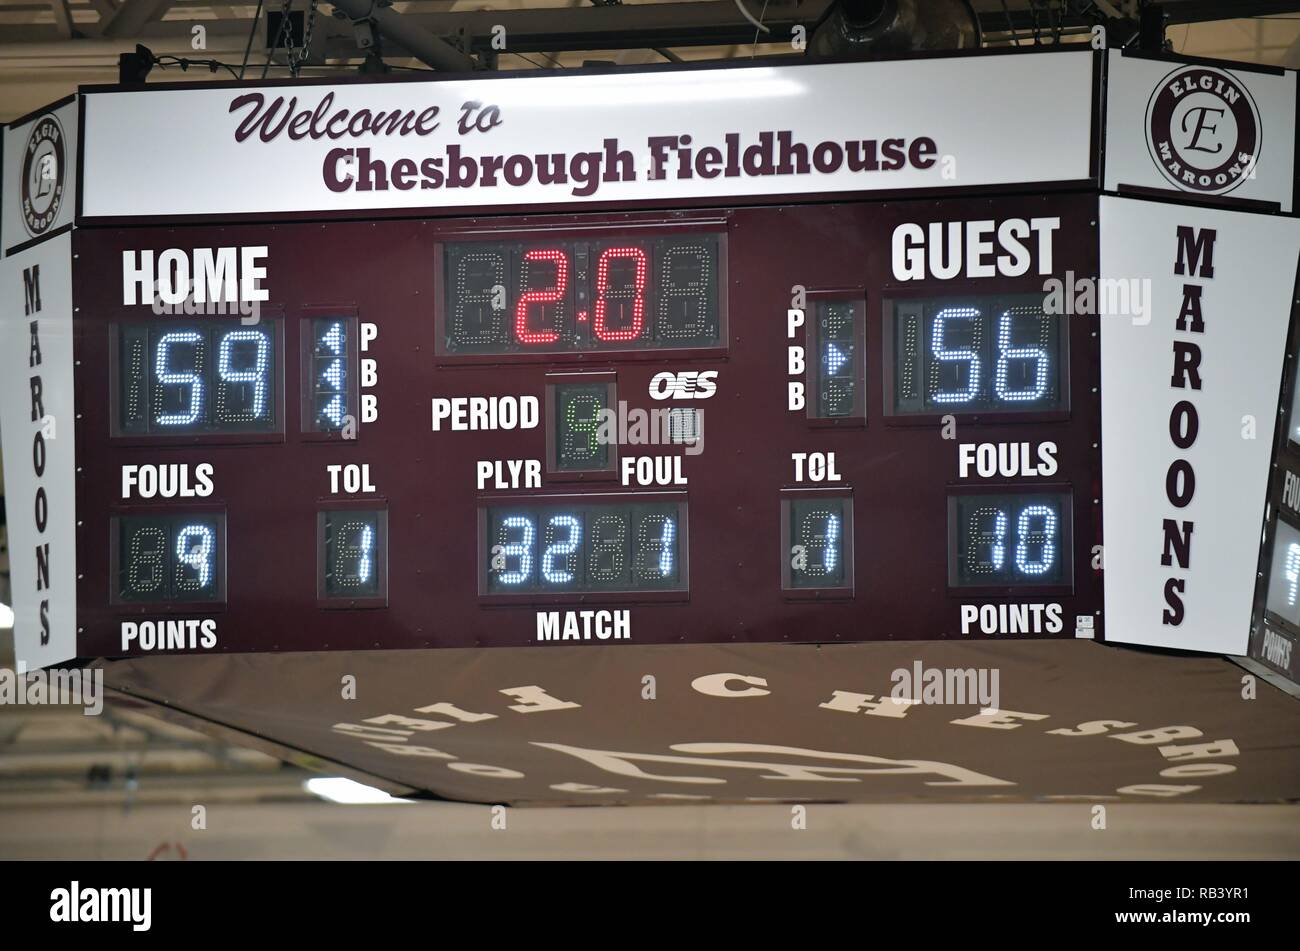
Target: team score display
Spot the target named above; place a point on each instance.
(585, 547)
(169, 558)
(599, 293)
(976, 354)
(818, 541)
(183, 378)
(1010, 540)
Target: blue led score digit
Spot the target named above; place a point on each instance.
(243, 371)
(167, 377)
(957, 356)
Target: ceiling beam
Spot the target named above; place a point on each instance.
(414, 38)
(128, 19)
(62, 18)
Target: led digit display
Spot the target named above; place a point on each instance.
(1010, 540)
(818, 542)
(580, 295)
(984, 354)
(837, 367)
(214, 376)
(353, 555)
(1283, 597)
(165, 558)
(332, 367)
(585, 547)
(577, 424)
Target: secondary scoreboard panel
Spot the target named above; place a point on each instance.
(803, 423)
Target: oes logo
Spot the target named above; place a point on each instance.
(1203, 130)
(43, 175)
(684, 385)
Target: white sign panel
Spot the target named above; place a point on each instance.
(1200, 129)
(37, 437)
(1189, 390)
(40, 155)
(535, 140)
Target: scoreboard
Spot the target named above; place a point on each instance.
(789, 423)
(658, 356)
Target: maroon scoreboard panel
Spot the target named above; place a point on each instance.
(799, 423)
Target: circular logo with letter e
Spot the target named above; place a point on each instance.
(1203, 130)
(43, 175)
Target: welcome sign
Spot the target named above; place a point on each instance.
(634, 136)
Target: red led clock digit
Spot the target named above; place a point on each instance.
(547, 296)
(601, 328)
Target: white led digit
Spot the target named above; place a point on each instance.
(1026, 536)
(361, 550)
(994, 537)
(958, 355)
(824, 543)
(521, 549)
(1292, 572)
(145, 564)
(168, 377)
(605, 558)
(256, 375)
(666, 551)
(1007, 353)
(196, 554)
(561, 549)
(655, 549)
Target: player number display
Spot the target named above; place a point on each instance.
(585, 547)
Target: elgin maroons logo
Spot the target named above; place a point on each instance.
(1203, 130)
(43, 175)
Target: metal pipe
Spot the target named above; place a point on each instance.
(421, 44)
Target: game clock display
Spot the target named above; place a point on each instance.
(598, 293)
(976, 354)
